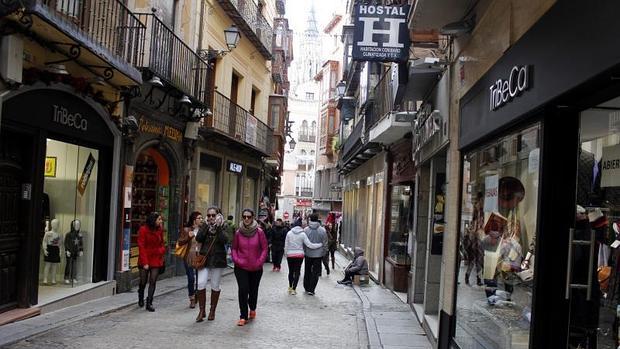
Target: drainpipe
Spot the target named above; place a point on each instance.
(201, 29)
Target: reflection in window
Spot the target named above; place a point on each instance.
(498, 222)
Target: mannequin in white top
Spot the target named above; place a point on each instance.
(51, 251)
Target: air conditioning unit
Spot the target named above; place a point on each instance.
(11, 58)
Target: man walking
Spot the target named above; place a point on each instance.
(316, 234)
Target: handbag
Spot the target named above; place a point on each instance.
(603, 274)
(199, 260)
(181, 250)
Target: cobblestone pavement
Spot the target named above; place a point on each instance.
(333, 318)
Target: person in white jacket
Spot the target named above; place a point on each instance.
(294, 250)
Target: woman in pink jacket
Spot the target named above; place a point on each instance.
(249, 252)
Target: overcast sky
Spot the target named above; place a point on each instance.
(297, 12)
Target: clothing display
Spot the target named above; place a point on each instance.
(74, 248)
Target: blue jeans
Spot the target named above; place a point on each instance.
(191, 279)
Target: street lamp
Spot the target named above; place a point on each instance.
(340, 88)
(292, 144)
(232, 35)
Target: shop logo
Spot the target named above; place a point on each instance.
(503, 91)
(63, 117)
(235, 167)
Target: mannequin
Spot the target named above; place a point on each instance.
(73, 249)
(51, 252)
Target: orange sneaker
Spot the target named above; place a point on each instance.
(252, 314)
(241, 322)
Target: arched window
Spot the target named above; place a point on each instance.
(303, 152)
(312, 152)
(313, 132)
(303, 132)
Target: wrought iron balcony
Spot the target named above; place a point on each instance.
(237, 123)
(247, 16)
(103, 37)
(168, 57)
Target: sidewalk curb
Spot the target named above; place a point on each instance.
(374, 341)
(18, 331)
(372, 335)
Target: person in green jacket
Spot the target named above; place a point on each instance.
(231, 227)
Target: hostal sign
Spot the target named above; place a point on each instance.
(504, 90)
(381, 33)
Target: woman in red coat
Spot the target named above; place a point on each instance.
(151, 256)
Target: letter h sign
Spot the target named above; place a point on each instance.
(381, 33)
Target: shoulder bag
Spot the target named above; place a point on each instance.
(200, 260)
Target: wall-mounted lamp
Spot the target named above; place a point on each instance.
(184, 100)
(292, 143)
(156, 81)
(56, 68)
(341, 88)
(232, 35)
(457, 28)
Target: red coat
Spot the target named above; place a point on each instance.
(151, 247)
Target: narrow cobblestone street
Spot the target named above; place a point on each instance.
(332, 318)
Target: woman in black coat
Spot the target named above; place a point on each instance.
(213, 240)
(278, 235)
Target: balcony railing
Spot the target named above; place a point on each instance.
(109, 23)
(107, 29)
(383, 100)
(167, 56)
(237, 123)
(246, 14)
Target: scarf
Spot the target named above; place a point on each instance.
(250, 230)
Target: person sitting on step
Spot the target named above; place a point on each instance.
(359, 266)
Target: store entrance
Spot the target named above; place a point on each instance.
(595, 279)
(151, 193)
(15, 159)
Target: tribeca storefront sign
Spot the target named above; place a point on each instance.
(504, 90)
(381, 33)
(64, 117)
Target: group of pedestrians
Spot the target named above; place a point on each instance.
(204, 243)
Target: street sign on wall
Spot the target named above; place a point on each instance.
(381, 33)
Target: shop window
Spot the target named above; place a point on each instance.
(400, 222)
(498, 222)
(597, 216)
(207, 182)
(250, 188)
(233, 191)
(70, 197)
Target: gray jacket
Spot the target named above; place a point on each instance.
(359, 265)
(317, 234)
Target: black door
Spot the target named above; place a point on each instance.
(15, 192)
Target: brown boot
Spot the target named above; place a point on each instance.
(201, 295)
(192, 301)
(215, 297)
